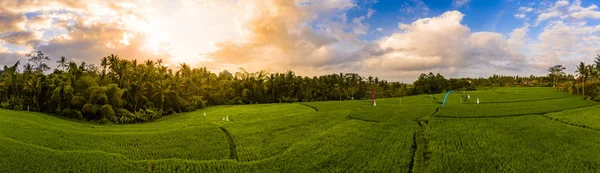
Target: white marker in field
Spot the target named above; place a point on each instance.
(227, 118)
(374, 103)
(204, 113)
(469, 96)
(223, 118)
(477, 100)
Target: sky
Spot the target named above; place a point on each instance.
(395, 40)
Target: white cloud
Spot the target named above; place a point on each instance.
(588, 12)
(381, 29)
(520, 15)
(561, 3)
(370, 13)
(574, 12)
(564, 43)
(443, 44)
(415, 6)
(460, 3)
(525, 9)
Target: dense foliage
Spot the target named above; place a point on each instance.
(128, 91)
(125, 91)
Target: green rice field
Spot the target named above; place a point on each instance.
(509, 130)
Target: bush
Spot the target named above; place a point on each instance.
(124, 116)
(72, 113)
(18, 107)
(5, 105)
(108, 113)
(237, 101)
(149, 114)
(94, 111)
(197, 102)
(103, 121)
(58, 111)
(189, 108)
(87, 109)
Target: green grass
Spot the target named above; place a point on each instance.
(524, 103)
(511, 144)
(507, 132)
(585, 117)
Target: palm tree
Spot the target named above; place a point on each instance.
(597, 61)
(556, 71)
(62, 62)
(582, 70)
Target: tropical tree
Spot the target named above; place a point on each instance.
(555, 72)
(39, 60)
(582, 70)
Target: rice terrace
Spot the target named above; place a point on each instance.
(294, 86)
(512, 130)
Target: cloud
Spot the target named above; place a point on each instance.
(588, 12)
(520, 15)
(370, 12)
(91, 42)
(415, 6)
(278, 37)
(379, 29)
(573, 12)
(525, 9)
(460, 3)
(9, 58)
(564, 43)
(39, 22)
(443, 44)
(11, 21)
(22, 38)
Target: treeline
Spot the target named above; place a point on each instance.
(128, 91)
(587, 82)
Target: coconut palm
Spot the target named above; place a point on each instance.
(582, 70)
(62, 62)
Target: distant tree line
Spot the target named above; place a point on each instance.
(128, 91)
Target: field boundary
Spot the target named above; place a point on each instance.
(232, 151)
(571, 124)
(419, 148)
(516, 101)
(307, 105)
(513, 115)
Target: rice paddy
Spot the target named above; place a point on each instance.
(510, 130)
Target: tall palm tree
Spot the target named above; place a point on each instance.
(582, 70)
(597, 61)
(62, 62)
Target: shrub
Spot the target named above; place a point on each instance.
(197, 102)
(108, 113)
(58, 111)
(5, 105)
(18, 107)
(149, 114)
(72, 113)
(103, 121)
(124, 116)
